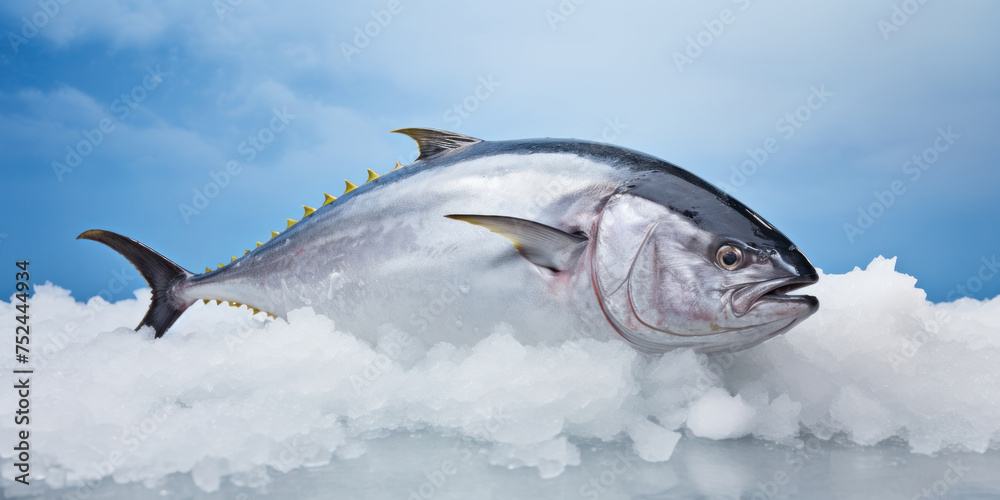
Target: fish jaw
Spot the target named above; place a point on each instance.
(775, 293)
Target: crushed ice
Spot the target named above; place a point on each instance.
(226, 396)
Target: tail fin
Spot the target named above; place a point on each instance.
(161, 274)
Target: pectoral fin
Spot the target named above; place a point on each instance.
(542, 245)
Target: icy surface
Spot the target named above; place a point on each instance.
(225, 396)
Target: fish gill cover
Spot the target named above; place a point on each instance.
(225, 394)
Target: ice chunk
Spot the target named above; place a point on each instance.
(717, 415)
(652, 442)
(551, 457)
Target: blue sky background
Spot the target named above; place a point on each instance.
(598, 69)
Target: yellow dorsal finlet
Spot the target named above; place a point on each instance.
(205, 301)
(327, 199)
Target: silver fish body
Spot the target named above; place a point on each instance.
(607, 243)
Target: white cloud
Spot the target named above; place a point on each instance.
(49, 122)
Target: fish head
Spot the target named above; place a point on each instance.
(678, 263)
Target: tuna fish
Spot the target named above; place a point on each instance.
(555, 239)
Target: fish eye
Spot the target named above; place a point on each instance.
(729, 257)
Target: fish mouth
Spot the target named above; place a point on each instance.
(749, 296)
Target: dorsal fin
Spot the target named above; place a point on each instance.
(433, 142)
